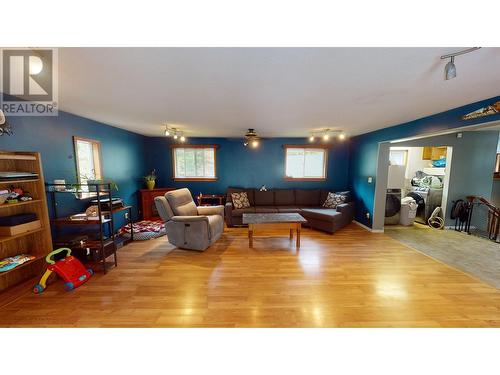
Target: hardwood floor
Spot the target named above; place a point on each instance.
(350, 279)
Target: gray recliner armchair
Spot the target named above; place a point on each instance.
(188, 226)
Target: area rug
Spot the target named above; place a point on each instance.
(144, 230)
(473, 255)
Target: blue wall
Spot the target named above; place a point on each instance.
(122, 152)
(246, 167)
(364, 149)
(128, 156)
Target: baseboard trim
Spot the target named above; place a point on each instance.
(368, 228)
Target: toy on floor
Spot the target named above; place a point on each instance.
(70, 269)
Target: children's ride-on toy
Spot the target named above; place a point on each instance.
(70, 269)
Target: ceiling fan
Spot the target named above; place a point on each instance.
(5, 128)
(251, 138)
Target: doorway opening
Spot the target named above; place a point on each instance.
(417, 185)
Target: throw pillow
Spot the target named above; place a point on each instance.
(240, 200)
(333, 200)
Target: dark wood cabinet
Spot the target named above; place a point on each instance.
(147, 209)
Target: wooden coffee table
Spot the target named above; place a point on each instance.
(290, 221)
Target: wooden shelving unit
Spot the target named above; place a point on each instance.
(36, 242)
(106, 243)
(11, 205)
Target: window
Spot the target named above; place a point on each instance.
(398, 157)
(305, 163)
(194, 162)
(88, 159)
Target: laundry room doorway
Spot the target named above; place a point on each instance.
(417, 185)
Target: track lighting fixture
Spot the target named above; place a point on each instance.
(174, 133)
(450, 70)
(326, 134)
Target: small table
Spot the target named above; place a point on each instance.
(290, 221)
(210, 199)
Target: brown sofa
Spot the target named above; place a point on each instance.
(307, 202)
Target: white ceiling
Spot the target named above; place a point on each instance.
(277, 91)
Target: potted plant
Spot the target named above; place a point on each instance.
(150, 180)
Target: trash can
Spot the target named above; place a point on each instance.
(408, 211)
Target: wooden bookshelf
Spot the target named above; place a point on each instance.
(36, 242)
(8, 206)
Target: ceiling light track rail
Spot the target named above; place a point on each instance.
(463, 52)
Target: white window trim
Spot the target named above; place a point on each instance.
(174, 163)
(306, 147)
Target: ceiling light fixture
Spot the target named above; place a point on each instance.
(251, 138)
(326, 134)
(450, 70)
(174, 133)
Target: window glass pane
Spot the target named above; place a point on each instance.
(190, 162)
(295, 162)
(88, 161)
(305, 163)
(180, 162)
(313, 166)
(209, 162)
(200, 163)
(194, 162)
(85, 161)
(397, 157)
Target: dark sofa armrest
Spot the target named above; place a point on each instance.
(228, 213)
(346, 209)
